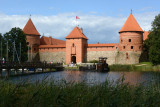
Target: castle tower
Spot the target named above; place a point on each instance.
(131, 35)
(32, 37)
(76, 43)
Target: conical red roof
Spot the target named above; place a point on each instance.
(76, 33)
(30, 29)
(131, 25)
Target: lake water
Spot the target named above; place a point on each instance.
(90, 77)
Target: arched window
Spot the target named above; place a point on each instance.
(129, 40)
(73, 44)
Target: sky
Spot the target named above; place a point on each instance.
(101, 20)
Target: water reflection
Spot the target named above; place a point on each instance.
(132, 78)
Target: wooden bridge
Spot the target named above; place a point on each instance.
(8, 67)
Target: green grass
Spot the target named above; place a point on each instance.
(147, 63)
(93, 61)
(71, 68)
(63, 94)
(143, 66)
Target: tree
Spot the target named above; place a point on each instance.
(14, 38)
(2, 47)
(152, 44)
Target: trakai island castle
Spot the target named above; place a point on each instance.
(77, 50)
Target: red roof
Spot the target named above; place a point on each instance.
(102, 45)
(131, 25)
(51, 41)
(30, 29)
(52, 46)
(76, 33)
(145, 35)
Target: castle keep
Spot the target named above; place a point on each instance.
(77, 50)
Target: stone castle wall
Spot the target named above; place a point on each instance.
(115, 57)
(127, 57)
(94, 55)
(52, 56)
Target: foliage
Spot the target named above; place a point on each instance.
(16, 35)
(3, 49)
(144, 66)
(93, 61)
(151, 45)
(63, 94)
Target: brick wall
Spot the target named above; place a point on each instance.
(33, 40)
(131, 41)
(52, 56)
(115, 57)
(52, 49)
(94, 55)
(75, 47)
(127, 57)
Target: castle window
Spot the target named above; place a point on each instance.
(73, 44)
(27, 43)
(129, 40)
(124, 47)
(131, 47)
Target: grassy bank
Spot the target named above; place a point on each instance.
(144, 66)
(49, 94)
(71, 68)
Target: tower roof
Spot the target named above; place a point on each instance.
(76, 33)
(131, 25)
(30, 29)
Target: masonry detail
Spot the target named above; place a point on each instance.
(77, 50)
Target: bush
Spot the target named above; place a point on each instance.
(51, 94)
(93, 61)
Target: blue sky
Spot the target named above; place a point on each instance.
(101, 19)
(101, 7)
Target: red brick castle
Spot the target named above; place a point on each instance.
(76, 48)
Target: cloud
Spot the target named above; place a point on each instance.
(145, 19)
(146, 8)
(103, 29)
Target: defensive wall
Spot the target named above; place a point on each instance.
(76, 48)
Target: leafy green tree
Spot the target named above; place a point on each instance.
(152, 44)
(2, 47)
(14, 38)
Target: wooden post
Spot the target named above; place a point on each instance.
(34, 69)
(0, 72)
(50, 69)
(42, 69)
(22, 70)
(15, 73)
(7, 72)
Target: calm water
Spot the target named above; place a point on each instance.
(132, 78)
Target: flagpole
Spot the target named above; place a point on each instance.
(7, 52)
(76, 20)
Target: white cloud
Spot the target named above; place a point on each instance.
(103, 29)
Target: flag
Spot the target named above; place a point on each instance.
(77, 17)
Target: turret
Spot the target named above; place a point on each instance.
(32, 35)
(75, 46)
(131, 35)
(32, 39)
